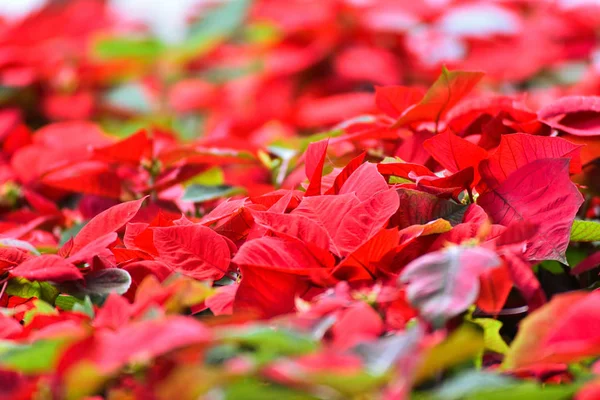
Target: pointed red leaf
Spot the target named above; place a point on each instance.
(364, 182)
(393, 100)
(314, 161)
(541, 193)
(445, 93)
(47, 267)
(294, 225)
(496, 285)
(455, 153)
(517, 150)
(346, 172)
(106, 222)
(193, 250)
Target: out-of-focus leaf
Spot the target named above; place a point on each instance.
(86, 307)
(470, 382)
(106, 281)
(199, 193)
(271, 342)
(462, 345)
(130, 97)
(443, 284)
(40, 308)
(251, 389)
(491, 334)
(216, 26)
(585, 231)
(544, 338)
(66, 302)
(127, 47)
(19, 244)
(21, 287)
(38, 357)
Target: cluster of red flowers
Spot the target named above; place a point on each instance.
(303, 200)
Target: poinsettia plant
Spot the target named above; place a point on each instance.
(304, 200)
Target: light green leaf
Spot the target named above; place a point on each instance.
(131, 97)
(86, 307)
(38, 357)
(216, 26)
(21, 287)
(127, 47)
(491, 335)
(585, 231)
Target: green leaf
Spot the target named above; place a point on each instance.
(491, 334)
(67, 234)
(38, 357)
(66, 302)
(131, 97)
(585, 231)
(127, 47)
(200, 193)
(21, 287)
(269, 343)
(211, 177)
(216, 26)
(252, 389)
(86, 307)
(461, 386)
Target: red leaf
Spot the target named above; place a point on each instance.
(129, 150)
(495, 288)
(587, 264)
(297, 226)
(143, 340)
(193, 250)
(567, 329)
(106, 222)
(577, 115)
(455, 153)
(525, 280)
(394, 100)
(349, 223)
(115, 313)
(364, 182)
(540, 193)
(362, 264)
(517, 150)
(343, 176)
(314, 160)
(446, 91)
(47, 267)
(290, 256)
(267, 292)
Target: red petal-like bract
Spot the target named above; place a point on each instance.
(108, 221)
(577, 115)
(193, 250)
(47, 267)
(448, 90)
(542, 193)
